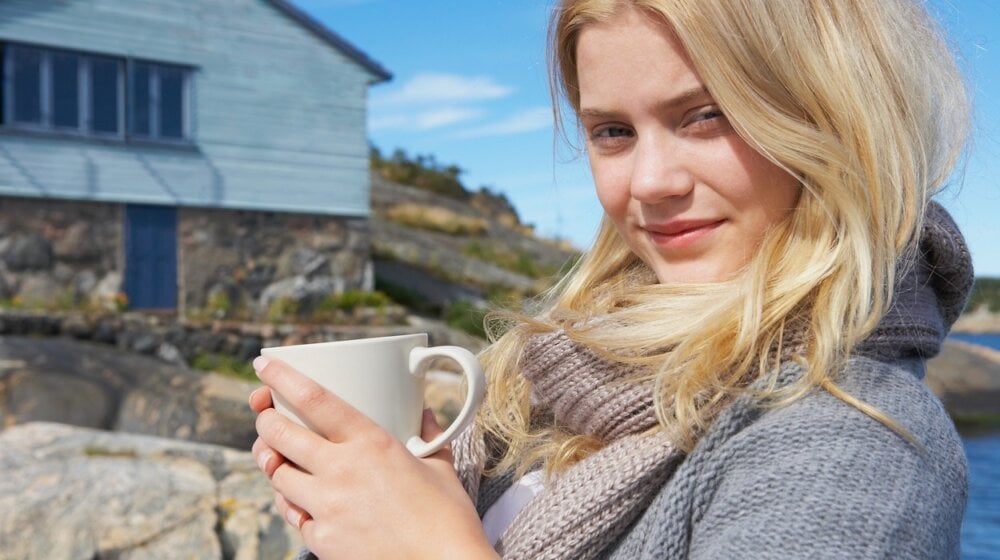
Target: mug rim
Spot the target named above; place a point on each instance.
(349, 342)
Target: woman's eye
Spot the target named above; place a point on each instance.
(613, 132)
(710, 120)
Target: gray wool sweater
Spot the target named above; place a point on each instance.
(818, 478)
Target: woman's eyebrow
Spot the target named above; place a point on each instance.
(686, 96)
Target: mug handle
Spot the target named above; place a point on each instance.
(476, 391)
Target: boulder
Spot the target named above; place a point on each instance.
(94, 385)
(40, 290)
(966, 377)
(26, 251)
(70, 492)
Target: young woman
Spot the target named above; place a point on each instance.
(734, 368)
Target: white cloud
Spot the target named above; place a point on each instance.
(443, 117)
(425, 120)
(528, 120)
(383, 122)
(433, 87)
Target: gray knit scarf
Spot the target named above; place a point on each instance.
(586, 508)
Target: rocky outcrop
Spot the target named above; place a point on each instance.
(979, 320)
(457, 260)
(183, 342)
(56, 379)
(966, 378)
(70, 493)
(96, 386)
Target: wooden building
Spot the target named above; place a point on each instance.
(182, 148)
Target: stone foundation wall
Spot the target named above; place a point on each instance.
(59, 252)
(245, 261)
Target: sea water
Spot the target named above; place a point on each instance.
(981, 527)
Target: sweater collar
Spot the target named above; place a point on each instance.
(930, 294)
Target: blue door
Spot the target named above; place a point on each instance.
(151, 257)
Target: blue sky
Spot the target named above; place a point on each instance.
(469, 87)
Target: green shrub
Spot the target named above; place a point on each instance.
(224, 364)
(352, 299)
(218, 304)
(422, 172)
(986, 291)
(282, 309)
(465, 316)
(520, 262)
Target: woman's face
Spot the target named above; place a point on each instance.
(686, 193)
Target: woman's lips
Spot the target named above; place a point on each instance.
(681, 233)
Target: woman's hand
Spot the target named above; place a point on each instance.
(352, 489)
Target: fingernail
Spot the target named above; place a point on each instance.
(263, 458)
(254, 392)
(294, 518)
(259, 363)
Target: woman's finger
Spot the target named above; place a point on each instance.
(299, 487)
(293, 442)
(291, 513)
(331, 416)
(267, 459)
(260, 399)
(429, 430)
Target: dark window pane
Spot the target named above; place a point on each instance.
(171, 103)
(27, 85)
(65, 90)
(104, 95)
(139, 94)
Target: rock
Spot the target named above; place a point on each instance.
(8, 282)
(26, 251)
(77, 325)
(107, 290)
(170, 354)
(966, 378)
(305, 293)
(40, 290)
(98, 386)
(303, 261)
(445, 395)
(78, 244)
(979, 320)
(70, 492)
(145, 344)
(55, 398)
(106, 332)
(84, 282)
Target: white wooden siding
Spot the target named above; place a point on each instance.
(277, 114)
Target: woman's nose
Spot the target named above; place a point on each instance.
(659, 171)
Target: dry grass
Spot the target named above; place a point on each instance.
(436, 219)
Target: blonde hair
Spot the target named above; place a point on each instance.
(862, 101)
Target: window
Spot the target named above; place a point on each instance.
(87, 94)
(65, 90)
(157, 94)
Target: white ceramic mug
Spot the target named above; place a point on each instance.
(383, 378)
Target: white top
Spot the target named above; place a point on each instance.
(501, 514)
